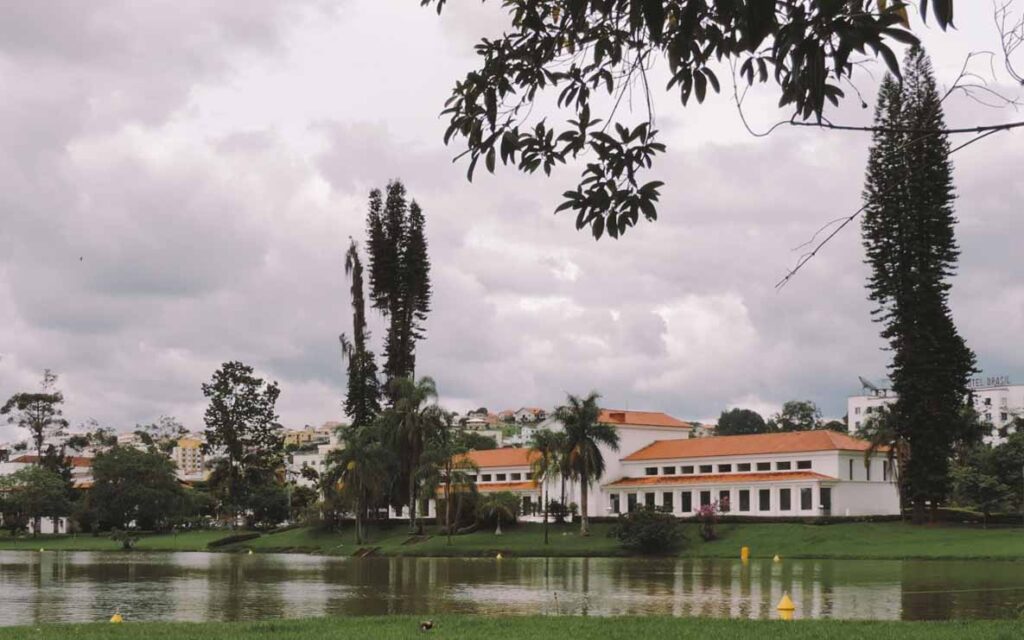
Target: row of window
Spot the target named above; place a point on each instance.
(886, 470)
(783, 500)
(500, 477)
(741, 467)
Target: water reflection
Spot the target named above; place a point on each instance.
(83, 586)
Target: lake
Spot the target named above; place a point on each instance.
(90, 586)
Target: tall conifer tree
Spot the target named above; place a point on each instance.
(908, 233)
(362, 402)
(399, 275)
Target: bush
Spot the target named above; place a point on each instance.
(225, 541)
(649, 530)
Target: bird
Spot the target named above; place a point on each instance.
(426, 625)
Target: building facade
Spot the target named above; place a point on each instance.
(997, 401)
(806, 474)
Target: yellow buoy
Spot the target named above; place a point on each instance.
(776, 558)
(745, 553)
(786, 607)
(498, 556)
(250, 552)
(41, 549)
(117, 618)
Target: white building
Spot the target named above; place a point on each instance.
(996, 400)
(313, 456)
(188, 457)
(809, 473)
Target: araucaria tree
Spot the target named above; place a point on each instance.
(362, 401)
(241, 426)
(38, 413)
(584, 435)
(399, 275)
(909, 240)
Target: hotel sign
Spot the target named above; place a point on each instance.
(990, 381)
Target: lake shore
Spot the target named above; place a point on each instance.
(859, 540)
(516, 628)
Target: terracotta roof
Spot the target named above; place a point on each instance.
(719, 478)
(761, 443)
(76, 461)
(507, 457)
(494, 487)
(621, 418)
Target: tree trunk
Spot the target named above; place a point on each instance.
(545, 516)
(917, 517)
(584, 519)
(412, 503)
(448, 507)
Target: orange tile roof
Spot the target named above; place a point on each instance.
(621, 418)
(719, 478)
(76, 461)
(506, 457)
(761, 443)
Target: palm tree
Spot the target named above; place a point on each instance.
(882, 432)
(547, 448)
(445, 466)
(411, 420)
(359, 471)
(500, 504)
(583, 437)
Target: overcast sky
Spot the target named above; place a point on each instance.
(178, 181)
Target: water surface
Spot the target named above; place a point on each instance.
(88, 586)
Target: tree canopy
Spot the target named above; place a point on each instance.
(135, 488)
(736, 422)
(592, 52)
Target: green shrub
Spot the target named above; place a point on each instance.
(649, 530)
(238, 537)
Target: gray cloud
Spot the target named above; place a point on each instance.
(178, 184)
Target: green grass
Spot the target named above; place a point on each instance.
(880, 540)
(480, 628)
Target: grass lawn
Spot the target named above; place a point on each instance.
(480, 628)
(881, 540)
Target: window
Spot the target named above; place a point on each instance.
(988, 417)
(868, 410)
(649, 499)
(631, 502)
(783, 466)
(764, 500)
(499, 477)
(705, 498)
(806, 499)
(705, 468)
(651, 471)
(744, 499)
(856, 425)
(486, 477)
(743, 466)
(988, 402)
(856, 411)
(686, 470)
(725, 468)
(517, 476)
(885, 471)
(785, 500)
(825, 494)
(668, 471)
(1003, 416)
(472, 477)
(527, 507)
(851, 469)
(764, 466)
(615, 503)
(724, 501)
(686, 498)
(667, 502)
(803, 464)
